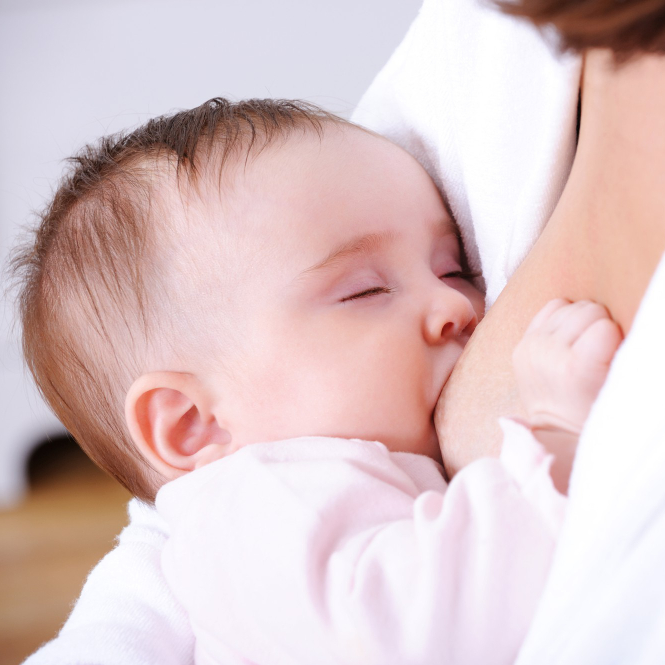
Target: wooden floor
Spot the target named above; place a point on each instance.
(48, 545)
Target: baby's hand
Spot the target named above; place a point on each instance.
(562, 361)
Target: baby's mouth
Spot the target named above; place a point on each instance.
(442, 387)
(440, 392)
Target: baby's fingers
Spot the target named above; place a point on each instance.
(568, 324)
(598, 343)
(544, 316)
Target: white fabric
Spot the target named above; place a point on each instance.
(126, 614)
(338, 552)
(487, 106)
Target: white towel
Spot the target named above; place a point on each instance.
(490, 109)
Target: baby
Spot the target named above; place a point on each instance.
(265, 273)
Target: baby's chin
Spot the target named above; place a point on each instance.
(425, 442)
(435, 445)
(428, 444)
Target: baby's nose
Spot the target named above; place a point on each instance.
(451, 315)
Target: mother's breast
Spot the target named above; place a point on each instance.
(602, 243)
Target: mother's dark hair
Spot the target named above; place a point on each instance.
(627, 27)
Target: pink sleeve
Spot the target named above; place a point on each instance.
(326, 551)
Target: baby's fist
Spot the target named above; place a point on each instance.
(562, 361)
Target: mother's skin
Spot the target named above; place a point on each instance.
(603, 242)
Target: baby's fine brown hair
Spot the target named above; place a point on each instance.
(86, 292)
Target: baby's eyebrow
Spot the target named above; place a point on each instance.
(362, 245)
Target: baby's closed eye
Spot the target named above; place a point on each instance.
(460, 274)
(367, 293)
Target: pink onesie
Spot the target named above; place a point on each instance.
(315, 551)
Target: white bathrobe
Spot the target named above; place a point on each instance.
(490, 110)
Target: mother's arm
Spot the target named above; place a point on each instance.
(603, 242)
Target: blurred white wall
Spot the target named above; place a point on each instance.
(72, 70)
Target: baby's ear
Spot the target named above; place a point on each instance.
(170, 418)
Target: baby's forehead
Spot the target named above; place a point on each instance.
(227, 178)
(302, 185)
(228, 195)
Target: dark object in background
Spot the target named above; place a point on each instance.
(57, 456)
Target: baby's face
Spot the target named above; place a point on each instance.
(352, 303)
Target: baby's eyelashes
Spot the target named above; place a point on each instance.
(366, 293)
(460, 274)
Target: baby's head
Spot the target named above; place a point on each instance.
(237, 273)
